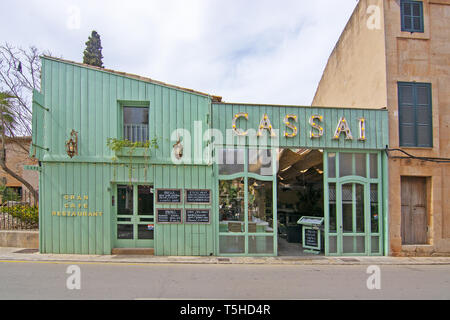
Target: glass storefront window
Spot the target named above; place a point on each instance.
(360, 164)
(260, 161)
(332, 165)
(345, 164)
(145, 200)
(230, 161)
(125, 199)
(374, 166)
(332, 207)
(231, 205)
(374, 208)
(260, 216)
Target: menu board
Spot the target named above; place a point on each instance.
(311, 237)
(168, 195)
(169, 216)
(198, 196)
(197, 216)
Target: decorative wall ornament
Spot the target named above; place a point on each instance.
(235, 118)
(72, 144)
(178, 149)
(316, 126)
(362, 129)
(265, 125)
(343, 127)
(290, 125)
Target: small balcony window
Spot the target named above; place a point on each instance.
(135, 124)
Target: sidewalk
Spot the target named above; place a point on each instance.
(18, 254)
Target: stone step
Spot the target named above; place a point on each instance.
(133, 251)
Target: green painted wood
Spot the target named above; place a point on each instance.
(376, 139)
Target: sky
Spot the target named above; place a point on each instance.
(248, 51)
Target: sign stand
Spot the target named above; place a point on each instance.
(311, 233)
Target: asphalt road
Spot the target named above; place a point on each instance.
(48, 280)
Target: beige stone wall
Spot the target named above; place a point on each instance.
(16, 158)
(355, 75)
(363, 71)
(421, 57)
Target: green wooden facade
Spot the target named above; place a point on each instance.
(77, 209)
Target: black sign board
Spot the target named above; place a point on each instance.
(311, 237)
(169, 216)
(168, 195)
(198, 196)
(197, 216)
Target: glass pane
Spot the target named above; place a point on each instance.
(135, 115)
(124, 199)
(360, 225)
(373, 165)
(354, 244)
(345, 164)
(260, 244)
(332, 165)
(145, 231)
(406, 91)
(332, 244)
(374, 210)
(232, 244)
(230, 161)
(260, 215)
(347, 207)
(260, 161)
(360, 164)
(332, 208)
(124, 231)
(231, 205)
(375, 244)
(145, 200)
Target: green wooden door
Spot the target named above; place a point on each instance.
(134, 216)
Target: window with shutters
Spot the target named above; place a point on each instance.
(412, 15)
(415, 114)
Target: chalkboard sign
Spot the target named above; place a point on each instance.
(198, 196)
(311, 237)
(197, 216)
(169, 215)
(168, 195)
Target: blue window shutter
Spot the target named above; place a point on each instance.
(415, 114)
(411, 13)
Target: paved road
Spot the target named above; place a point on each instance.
(47, 280)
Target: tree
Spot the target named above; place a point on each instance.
(7, 127)
(93, 52)
(20, 73)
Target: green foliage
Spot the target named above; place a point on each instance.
(92, 55)
(25, 213)
(117, 144)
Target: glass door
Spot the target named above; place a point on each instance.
(352, 203)
(134, 216)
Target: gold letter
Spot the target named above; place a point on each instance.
(315, 126)
(237, 116)
(291, 126)
(343, 127)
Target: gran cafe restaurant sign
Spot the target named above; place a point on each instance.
(290, 121)
(76, 206)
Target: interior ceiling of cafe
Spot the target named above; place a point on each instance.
(300, 166)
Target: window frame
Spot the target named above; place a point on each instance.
(132, 104)
(414, 103)
(411, 16)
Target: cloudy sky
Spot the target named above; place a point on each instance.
(253, 51)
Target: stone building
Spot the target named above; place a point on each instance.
(16, 157)
(395, 54)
